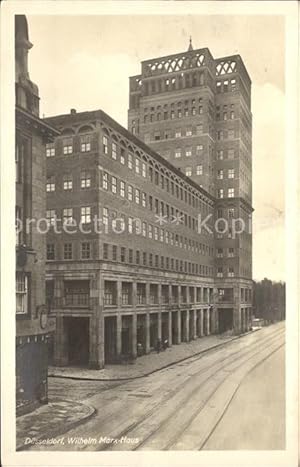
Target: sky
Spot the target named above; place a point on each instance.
(84, 62)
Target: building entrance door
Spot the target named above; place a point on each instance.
(78, 340)
(225, 316)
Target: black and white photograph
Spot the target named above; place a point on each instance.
(149, 251)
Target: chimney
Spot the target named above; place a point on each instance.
(73, 111)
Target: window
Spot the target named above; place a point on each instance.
(137, 166)
(188, 171)
(141, 294)
(200, 109)
(230, 153)
(50, 216)
(113, 184)
(150, 231)
(105, 144)
(21, 293)
(177, 153)
(220, 272)
(67, 182)
(50, 150)
(220, 174)
(230, 192)
(219, 252)
(155, 233)
(130, 161)
(50, 254)
(85, 179)
(137, 196)
(67, 146)
(144, 258)
(68, 251)
(189, 132)
(193, 111)
(137, 257)
(105, 216)
(224, 115)
(221, 193)
(220, 155)
(126, 293)
(130, 225)
(231, 272)
(114, 151)
(199, 170)
(85, 215)
(230, 173)
(122, 156)
(178, 133)
(144, 199)
(220, 135)
(105, 181)
(130, 193)
(85, 250)
(144, 229)
(232, 115)
(85, 143)
(161, 236)
(199, 148)
(199, 129)
(225, 86)
(114, 253)
(144, 172)
(122, 189)
(110, 293)
(68, 215)
(50, 185)
(231, 213)
(230, 134)
(105, 251)
(123, 254)
(188, 152)
(230, 252)
(233, 84)
(130, 255)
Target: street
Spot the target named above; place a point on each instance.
(192, 405)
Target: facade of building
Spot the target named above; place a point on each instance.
(195, 111)
(134, 268)
(32, 323)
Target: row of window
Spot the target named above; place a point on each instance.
(158, 135)
(85, 146)
(67, 182)
(191, 293)
(221, 272)
(226, 85)
(68, 216)
(125, 190)
(230, 193)
(129, 256)
(163, 181)
(110, 252)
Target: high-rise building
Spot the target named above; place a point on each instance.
(195, 111)
(32, 323)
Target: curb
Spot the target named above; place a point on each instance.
(85, 378)
(66, 427)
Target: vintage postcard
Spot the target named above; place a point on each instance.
(149, 249)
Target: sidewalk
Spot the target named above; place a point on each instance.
(146, 364)
(44, 423)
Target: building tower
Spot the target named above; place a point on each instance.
(195, 111)
(32, 325)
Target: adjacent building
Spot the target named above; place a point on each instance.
(195, 111)
(32, 323)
